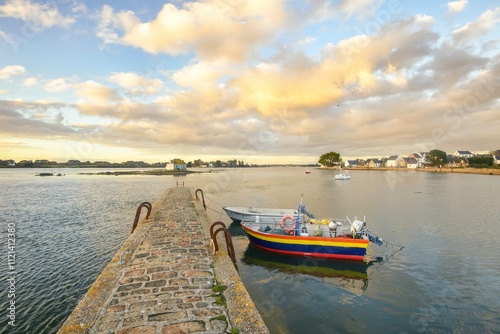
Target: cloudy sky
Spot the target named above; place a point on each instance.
(259, 80)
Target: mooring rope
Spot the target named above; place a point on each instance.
(381, 261)
(394, 245)
(219, 212)
(208, 198)
(218, 204)
(216, 211)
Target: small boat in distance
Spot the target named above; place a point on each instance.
(307, 172)
(342, 177)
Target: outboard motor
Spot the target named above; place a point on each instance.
(376, 240)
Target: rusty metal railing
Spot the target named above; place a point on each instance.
(212, 232)
(229, 241)
(202, 196)
(138, 214)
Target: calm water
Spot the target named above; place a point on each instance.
(446, 279)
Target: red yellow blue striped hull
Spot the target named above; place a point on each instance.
(335, 248)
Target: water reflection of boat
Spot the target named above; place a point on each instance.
(348, 275)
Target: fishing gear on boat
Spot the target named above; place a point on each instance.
(302, 209)
(359, 229)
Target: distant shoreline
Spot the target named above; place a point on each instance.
(146, 172)
(481, 171)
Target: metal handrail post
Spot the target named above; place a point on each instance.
(148, 206)
(229, 241)
(202, 196)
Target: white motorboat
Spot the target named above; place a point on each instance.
(252, 214)
(342, 177)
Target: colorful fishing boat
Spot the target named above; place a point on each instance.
(336, 239)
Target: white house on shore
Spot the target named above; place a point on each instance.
(176, 164)
(454, 161)
(463, 154)
(420, 157)
(352, 163)
(411, 163)
(393, 161)
(373, 163)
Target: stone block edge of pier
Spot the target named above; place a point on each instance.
(102, 310)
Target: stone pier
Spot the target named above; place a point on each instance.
(169, 281)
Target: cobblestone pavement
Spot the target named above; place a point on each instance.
(167, 286)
